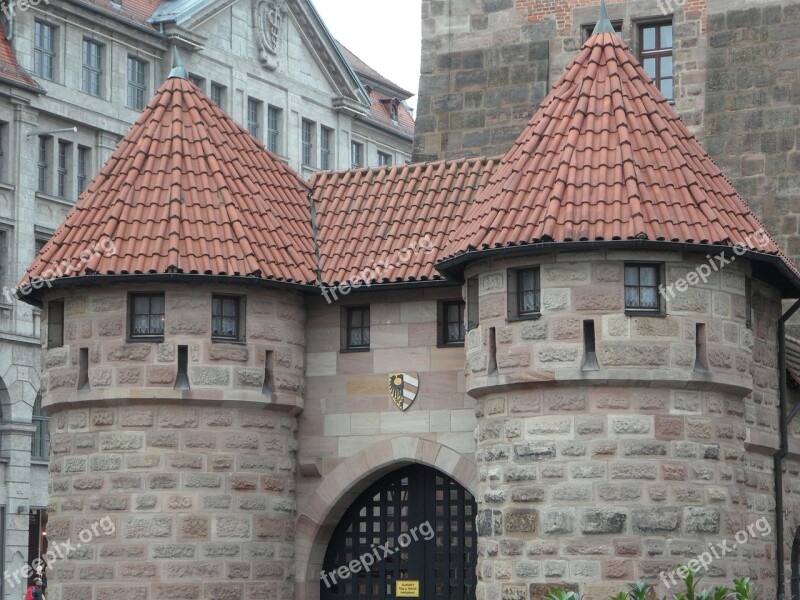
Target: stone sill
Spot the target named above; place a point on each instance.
(206, 396)
(632, 377)
(40, 462)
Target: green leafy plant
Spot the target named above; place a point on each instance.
(639, 591)
(559, 594)
(743, 589)
(721, 593)
(620, 596)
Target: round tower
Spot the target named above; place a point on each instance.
(622, 302)
(173, 332)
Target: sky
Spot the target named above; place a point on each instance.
(385, 34)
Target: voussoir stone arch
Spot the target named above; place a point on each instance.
(321, 511)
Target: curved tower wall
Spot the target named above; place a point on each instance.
(174, 493)
(590, 479)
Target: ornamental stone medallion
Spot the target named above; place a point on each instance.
(269, 19)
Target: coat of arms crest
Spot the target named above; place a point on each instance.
(270, 17)
(403, 389)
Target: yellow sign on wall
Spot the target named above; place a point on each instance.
(407, 589)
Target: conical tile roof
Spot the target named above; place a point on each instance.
(190, 191)
(606, 158)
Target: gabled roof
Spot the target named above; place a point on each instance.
(366, 72)
(390, 223)
(187, 191)
(606, 158)
(10, 70)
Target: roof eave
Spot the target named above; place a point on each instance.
(789, 286)
(34, 298)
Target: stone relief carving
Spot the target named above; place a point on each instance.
(270, 17)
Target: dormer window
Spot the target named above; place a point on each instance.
(393, 111)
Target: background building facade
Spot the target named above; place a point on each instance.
(74, 76)
(731, 67)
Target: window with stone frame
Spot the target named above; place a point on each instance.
(325, 138)
(254, 115)
(3, 139)
(524, 293)
(137, 83)
(44, 50)
(227, 317)
(355, 328)
(92, 72)
(43, 164)
(451, 326)
(655, 54)
(642, 281)
(356, 155)
(308, 134)
(218, 94)
(384, 159)
(273, 129)
(587, 30)
(84, 165)
(55, 324)
(40, 442)
(146, 316)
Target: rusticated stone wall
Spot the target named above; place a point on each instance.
(191, 493)
(596, 479)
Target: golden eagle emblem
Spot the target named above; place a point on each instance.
(403, 389)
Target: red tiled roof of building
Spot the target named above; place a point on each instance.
(136, 11)
(363, 69)
(188, 190)
(10, 70)
(390, 223)
(606, 158)
(381, 113)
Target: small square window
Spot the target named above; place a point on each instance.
(451, 323)
(355, 330)
(55, 324)
(384, 159)
(226, 315)
(524, 293)
(641, 287)
(147, 316)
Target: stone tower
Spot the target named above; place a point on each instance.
(613, 406)
(173, 363)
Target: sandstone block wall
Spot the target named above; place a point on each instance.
(597, 479)
(487, 65)
(174, 493)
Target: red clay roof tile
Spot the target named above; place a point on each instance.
(188, 191)
(606, 158)
(10, 69)
(390, 223)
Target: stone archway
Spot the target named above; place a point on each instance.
(321, 511)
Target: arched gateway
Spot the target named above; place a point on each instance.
(413, 528)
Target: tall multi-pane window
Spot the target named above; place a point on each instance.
(308, 143)
(451, 322)
(40, 443)
(63, 168)
(84, 157)
(218, 94)
(44, 50)
(225, 317)
(528, 291)
(356, 155)
(137, 83)
(356, 328)
(3, 136)
(655, 54)
(273, 128)
(384, 159)
(641, 287)
(42, 163)
(254, 117)
(325, 137)
(92, 74)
